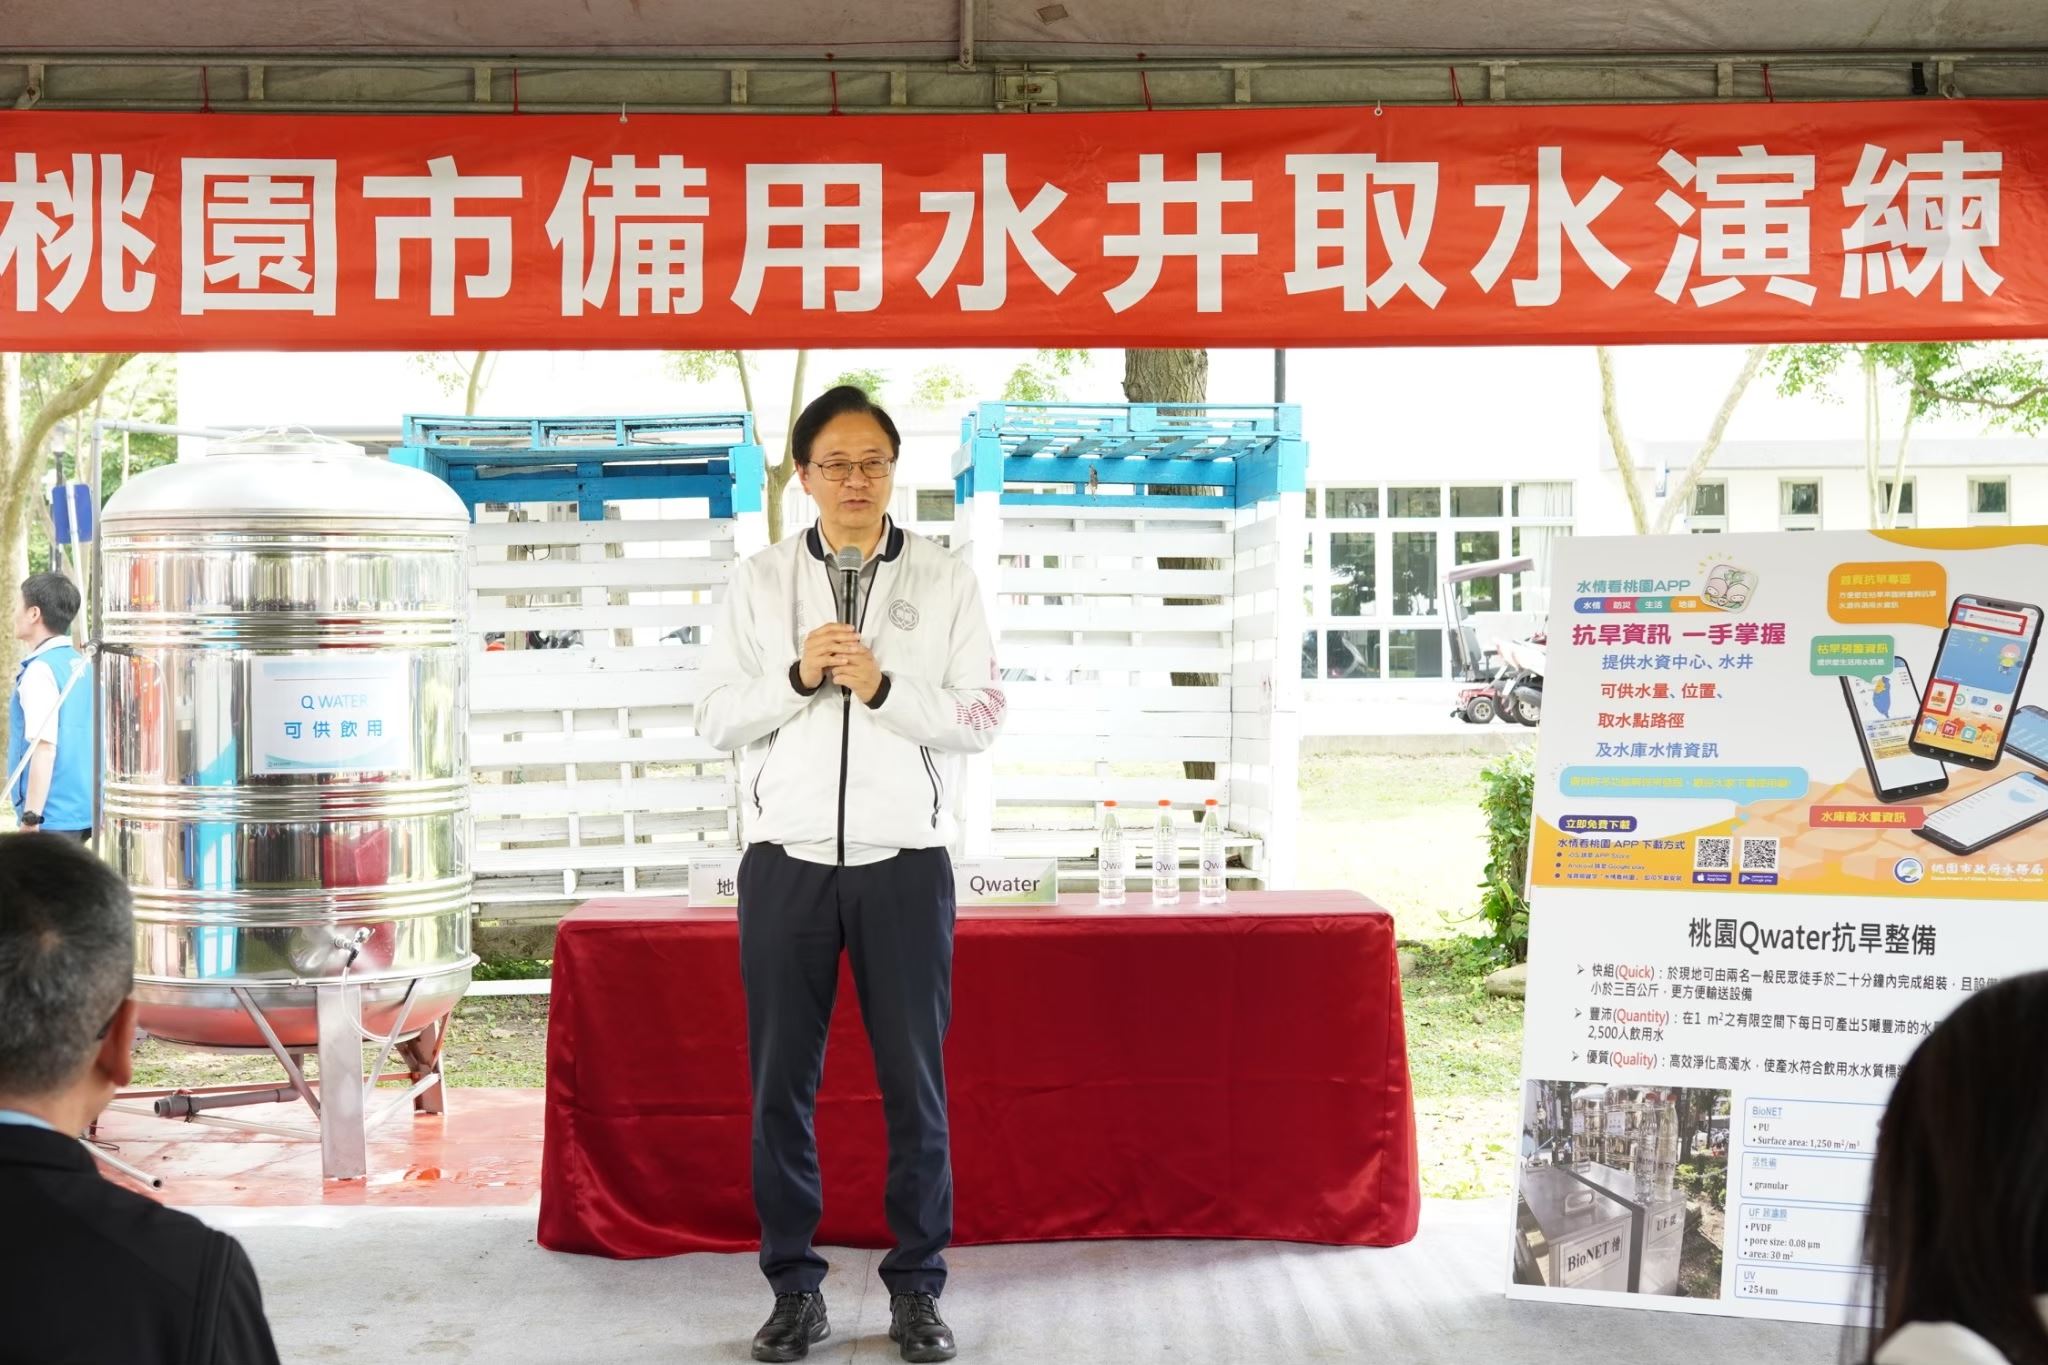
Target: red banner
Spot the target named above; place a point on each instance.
(1240, 228)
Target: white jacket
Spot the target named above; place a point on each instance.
(828, 778)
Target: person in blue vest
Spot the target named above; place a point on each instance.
(50, 719)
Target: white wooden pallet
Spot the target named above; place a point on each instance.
(1088, 647)
(591, 779)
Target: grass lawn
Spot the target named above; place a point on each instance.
(499, 1040)
(1465, 1057)
(1406, 831)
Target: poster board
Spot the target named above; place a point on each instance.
(1791, 808)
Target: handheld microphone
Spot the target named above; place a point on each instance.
(849, 561)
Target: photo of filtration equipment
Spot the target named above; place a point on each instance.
(1612, 1179)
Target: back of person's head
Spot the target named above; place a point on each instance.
(55, 597)
(67, 961)
(1958, 1226)
(838, 402)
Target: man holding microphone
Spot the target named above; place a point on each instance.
(852, 670)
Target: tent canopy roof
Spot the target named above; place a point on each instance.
(1021, 30)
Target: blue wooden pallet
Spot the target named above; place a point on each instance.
(591, 460)
(1248, 452)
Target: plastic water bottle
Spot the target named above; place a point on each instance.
(1165, 859)
(1667, 1149)
(1212, 854)
(1109, 859)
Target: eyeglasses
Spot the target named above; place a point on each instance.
(838, 470)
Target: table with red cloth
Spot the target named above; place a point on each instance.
(1234, 1071)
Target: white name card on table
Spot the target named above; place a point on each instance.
(1006, 881)
(715, 881)
(976, 881)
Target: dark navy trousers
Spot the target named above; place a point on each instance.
(894, 920)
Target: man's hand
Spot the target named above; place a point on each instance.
(859, 673)
(825, 649)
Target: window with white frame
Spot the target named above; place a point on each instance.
(1376, 561)
(932, 513)
(1542, 515)
(1707, 512)
(1909, 506)
(1990, 502)
(1798, 504)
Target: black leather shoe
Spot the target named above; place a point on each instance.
(915, 1325)
(797, 1324)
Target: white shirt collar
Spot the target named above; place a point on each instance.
(881, 545)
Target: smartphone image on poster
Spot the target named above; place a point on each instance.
(1984, 817)
(2028, 736)
(1975, 687)
(1884, 710)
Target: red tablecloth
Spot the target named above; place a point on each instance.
(1239, 1072)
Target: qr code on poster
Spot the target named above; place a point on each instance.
(1712, 854)
(1759, 855)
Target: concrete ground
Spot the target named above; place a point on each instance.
(456, 1285)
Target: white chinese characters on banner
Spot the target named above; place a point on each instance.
(1003, 225)
(51, 220)
(1152, 244)
(442, 229)
(813, 215)
(1948, 219)
(1349, 238)
(1559, 218)
(258, 234)
(624, 223)
(1755, 223)
(636, 235)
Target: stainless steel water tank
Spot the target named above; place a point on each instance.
(283, 712)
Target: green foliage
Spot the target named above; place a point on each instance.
(870, 382)
(2003, 382)
(145, 390)
(1042, 379)
(1508, 802)
(512, 969)
(1461, 1041)
(1706, 1181)
(701, 367)
(462, 375)
(1808, 369)
(1714, 1184)
(940, 386)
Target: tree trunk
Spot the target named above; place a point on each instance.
(1681, 495)
(783, 470)
(1166, 376)
(13, 532)
(1177, 377)
(1624, 462)
(1891, 511)
(21, 462)
(476, 384)
(1873, 425)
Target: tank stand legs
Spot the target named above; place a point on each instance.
(344, 1151)
(340, 1096)
(423, 1062)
